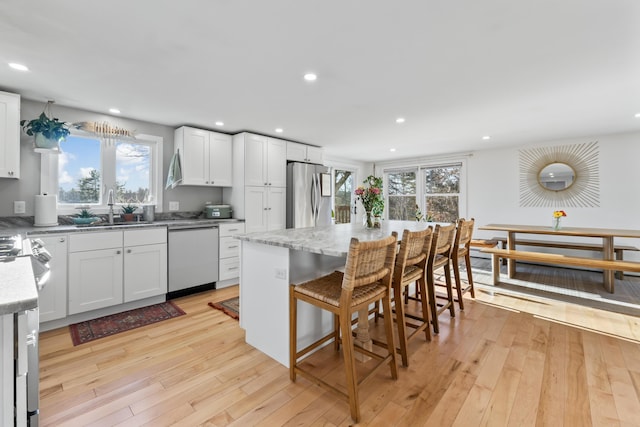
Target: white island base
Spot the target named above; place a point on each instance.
(270, 261)
(265, 276)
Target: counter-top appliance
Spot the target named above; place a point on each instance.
(308, 204)
(193, 258)
(217, 211)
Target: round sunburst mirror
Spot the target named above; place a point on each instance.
(560, 176)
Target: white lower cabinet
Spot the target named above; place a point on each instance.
(145, 263)
(95, 271)
(52, 298)
(109, 268)
(229, 267)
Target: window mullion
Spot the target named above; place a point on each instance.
(108, 171)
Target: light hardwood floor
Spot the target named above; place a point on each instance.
(494, 364)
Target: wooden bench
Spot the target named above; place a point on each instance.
(545, 258)
(618, 249)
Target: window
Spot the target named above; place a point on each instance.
(442, 192)
(433, 192)
(88, 167)
(342, 195)
(401, 187)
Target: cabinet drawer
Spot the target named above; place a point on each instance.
(79, 242)
(229, 268)
(229, 247)
(150, 236)
(231, 229)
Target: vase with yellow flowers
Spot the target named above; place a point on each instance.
(557, 219)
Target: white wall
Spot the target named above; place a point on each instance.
(25, 188)
(494, 188)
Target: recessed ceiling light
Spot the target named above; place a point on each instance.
(392, 149)
(219, 124)
(486, 137)
(400, 120)
(279, 130)
(18, 67)
(310, 77)
(637, 115)
(114, 110)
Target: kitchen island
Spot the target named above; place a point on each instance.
(270, 261)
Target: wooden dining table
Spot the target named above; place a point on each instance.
(606, 234)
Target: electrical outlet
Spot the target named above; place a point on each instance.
(174, 206)
(19, 207)
(281, 273)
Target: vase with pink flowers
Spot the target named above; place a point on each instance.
(372, 200)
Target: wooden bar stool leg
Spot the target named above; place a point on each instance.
(456, 275)
(467, 261)
(388, 326)
(400, 321)
(447, 280)
(349, 364)
(426, 316)
(432, 300)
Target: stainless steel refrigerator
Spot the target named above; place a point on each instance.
(308, 195)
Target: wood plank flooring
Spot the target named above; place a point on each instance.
(494, 364)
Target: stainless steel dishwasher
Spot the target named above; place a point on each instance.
(193, 258)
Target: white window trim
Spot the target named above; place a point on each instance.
(418, 167)
(49, 174)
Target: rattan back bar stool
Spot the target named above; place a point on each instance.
(460, 251)
(367, 279)
(411, 267)
(439, 257)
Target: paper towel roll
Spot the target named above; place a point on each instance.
(45, 211)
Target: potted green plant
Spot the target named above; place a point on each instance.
(127, 211)
(85, 217)
(48, 132)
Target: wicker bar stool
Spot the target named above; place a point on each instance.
(460, 250)
(439, 256)
(411, 267)
(367, 278)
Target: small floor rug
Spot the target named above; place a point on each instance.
(230, 307)
(109, 325)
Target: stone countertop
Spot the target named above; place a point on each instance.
(330, 240)
(18, 291)
(29, 229)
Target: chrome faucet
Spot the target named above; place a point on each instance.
(110, 202)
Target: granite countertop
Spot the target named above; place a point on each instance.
(18, 290)
(25, 227)
(330, 240)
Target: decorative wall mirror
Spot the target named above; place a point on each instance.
(561, 176)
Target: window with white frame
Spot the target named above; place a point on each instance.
(88, 167)
(401, 188)
(433, 192)
(442, 192)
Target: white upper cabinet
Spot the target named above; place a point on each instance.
(9, 135)
(304, 153)
(265, 161)
(206, 157)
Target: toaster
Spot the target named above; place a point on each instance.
(217, 211)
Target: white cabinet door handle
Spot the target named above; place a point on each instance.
(128, 251)
(118, 252)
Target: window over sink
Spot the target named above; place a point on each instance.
(88, 167)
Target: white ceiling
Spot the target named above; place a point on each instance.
(520, 71)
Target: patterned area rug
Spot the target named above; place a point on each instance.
(109, 325)
(230, 307)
